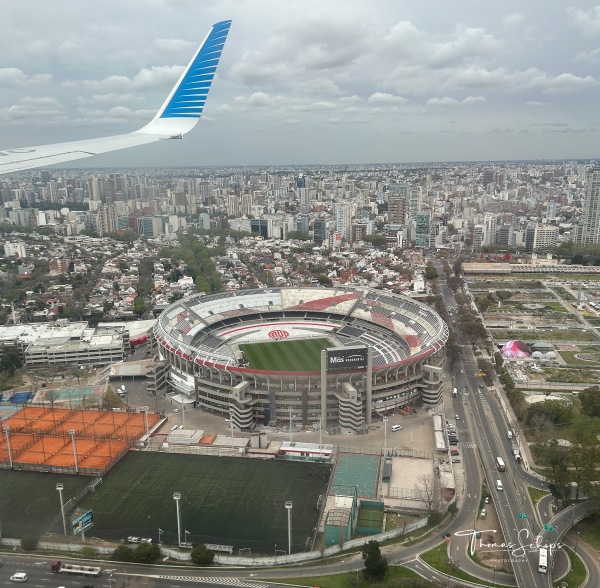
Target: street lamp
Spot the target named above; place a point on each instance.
(145, 410)
(385, 420)
(60, 487)
(288, 506)
(6, 430)
(177, 498)
(576, 541)
(72, 433)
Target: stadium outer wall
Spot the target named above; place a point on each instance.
(405, 341)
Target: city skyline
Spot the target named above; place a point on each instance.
(310, 84)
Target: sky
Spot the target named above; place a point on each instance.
(310, 82)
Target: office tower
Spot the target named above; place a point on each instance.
(590, 229)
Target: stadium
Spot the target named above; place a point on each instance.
(326, 357)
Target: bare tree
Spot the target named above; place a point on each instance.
(51, 396)
(429, 491)
(542, 426)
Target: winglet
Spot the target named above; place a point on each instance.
(183, 108)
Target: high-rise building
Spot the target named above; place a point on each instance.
(423, 231)
(396, 210)
(590, 228)
(320, 230)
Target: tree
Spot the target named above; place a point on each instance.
(29, 543)
(542, 425)
(123, 553)
(51, 396)
(428, 491)
(454, 283)
(146, 553)
(590, 401)
(11, 360)
(375, 564)
(431, 272)
(202, 555)
(139, 306)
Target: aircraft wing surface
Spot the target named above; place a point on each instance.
(177, 116)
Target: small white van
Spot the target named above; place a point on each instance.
(396, 427)
(499, 486)
(510, 434)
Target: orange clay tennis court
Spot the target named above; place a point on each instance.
(87, 442)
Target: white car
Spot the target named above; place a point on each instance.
(19, 577)
(180, 427)
(174, 427)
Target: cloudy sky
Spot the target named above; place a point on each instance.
(310, 82)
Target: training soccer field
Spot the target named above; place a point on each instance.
(224, 500)
(301, 355)
(30, 504)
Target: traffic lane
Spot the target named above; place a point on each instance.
(506, 502)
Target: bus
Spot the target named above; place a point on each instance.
(543, 562)
(500, 464)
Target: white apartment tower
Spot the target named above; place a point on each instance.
(590, 229)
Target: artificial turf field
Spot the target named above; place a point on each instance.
(300, 355)
(29, 501)
(224, 500)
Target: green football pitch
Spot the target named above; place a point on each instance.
(300, 355)
(224, 500)
(30, 503)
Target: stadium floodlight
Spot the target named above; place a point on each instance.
(60, 487)
(385, 420)
(6, 430)
(145, 410)
(288, 506)
(177, 498)
(72, 433)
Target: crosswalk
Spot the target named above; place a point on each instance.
(241, 582)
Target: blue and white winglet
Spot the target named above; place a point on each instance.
(178, 115)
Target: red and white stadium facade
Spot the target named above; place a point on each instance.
(403, 340)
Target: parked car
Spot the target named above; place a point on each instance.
(174, 427)
(487, 500)
(454, 452)
(19, 577)
(456, 461)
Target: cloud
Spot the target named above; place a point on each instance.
(592, 56)
(514, 19)
(45, 111)
(473, 100)
(447, 101)
(173, 45)
(148, 78)
(382, 98)
(275, 105)
(587, 21)
(536, 103)
(16, 78)
(406, 42)
(567, 82)
(114, 115)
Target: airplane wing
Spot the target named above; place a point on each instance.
(178, 115)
